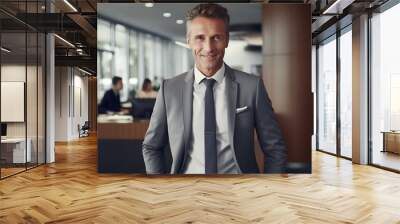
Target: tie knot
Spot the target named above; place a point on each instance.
(209, 82)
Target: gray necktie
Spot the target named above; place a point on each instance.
(210, 142)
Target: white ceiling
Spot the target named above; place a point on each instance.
(151, 19)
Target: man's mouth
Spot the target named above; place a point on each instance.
(209, 56)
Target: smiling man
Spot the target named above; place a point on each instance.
(207, 116)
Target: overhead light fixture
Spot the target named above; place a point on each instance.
(167, 14)
(149, 5)
(181, 44)
(43, 7)
(70, 5)
(179, 21)
(5, 50)
(337, 7)
(84, 71)
(64, 40)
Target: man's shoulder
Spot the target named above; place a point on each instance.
(244, 78)
(176, 80)
(108, 92)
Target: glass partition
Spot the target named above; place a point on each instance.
(327, 95)
(147, 56)
(385, 89)
(346, 93)
(14, 144)
(22, 77)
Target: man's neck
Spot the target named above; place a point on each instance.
(209, 73)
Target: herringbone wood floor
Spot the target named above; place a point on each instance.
(71, 191)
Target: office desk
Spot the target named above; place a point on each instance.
(391, 141)
(13, 150)
(119, 146)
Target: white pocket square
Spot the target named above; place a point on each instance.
(239, 110)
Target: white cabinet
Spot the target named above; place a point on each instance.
(17, 146)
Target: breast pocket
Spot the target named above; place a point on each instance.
(244, 117)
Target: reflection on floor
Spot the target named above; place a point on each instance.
(71, 191)
(387, 159)
(11, 169)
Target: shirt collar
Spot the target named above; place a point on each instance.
(218, 76)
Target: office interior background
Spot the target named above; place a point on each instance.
(136, 43)
(139, 41)
(49, 84)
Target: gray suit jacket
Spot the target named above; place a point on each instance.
(171, 122)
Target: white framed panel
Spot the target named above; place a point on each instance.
(12, 101)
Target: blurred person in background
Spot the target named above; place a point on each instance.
(111, 102)
(147, 90)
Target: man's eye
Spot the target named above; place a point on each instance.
(217, 38)
(199, 38)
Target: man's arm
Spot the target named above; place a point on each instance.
(156, 137)
(103, 106)
(269, 133)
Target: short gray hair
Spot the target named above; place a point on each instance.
(209, 10)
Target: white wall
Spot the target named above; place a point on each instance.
(33, 126)
(71, 102)
(314, 91)
(236, 56)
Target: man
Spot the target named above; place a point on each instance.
(111, 102)
(207, 116)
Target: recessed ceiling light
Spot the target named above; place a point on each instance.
(179, 21)
(149, 5)
(70, 5)
(43, 7)
(64, 40)
(181, 44)
(167, 14)
(84, 71)
(5, 50)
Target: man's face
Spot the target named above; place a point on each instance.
(119, 85)
(207, 37)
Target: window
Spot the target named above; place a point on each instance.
(346, 93)
(135, 55)
(327, 96)
(385, 87)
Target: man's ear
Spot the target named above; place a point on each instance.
(188, 39)
(227, 39)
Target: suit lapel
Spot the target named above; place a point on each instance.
(231, 94)
(187, 103)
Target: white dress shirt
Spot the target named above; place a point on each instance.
(195, 163)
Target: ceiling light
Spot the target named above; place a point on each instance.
(179, 21)
(43, 7)
(337, 7)
(167, 14)
(65, 41)
(5, 50)
(70, 5)
(149, 5)
(181, 44)
(84, 71)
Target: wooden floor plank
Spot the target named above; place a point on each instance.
(71, 191)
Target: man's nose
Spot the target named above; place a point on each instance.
(208, 46)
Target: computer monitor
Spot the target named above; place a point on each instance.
(142, 108)
(3, 129)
